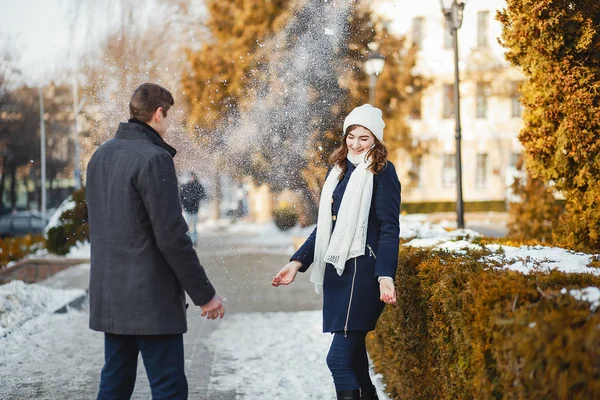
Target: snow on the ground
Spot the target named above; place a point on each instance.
(429, 234)
(266, 228)
(75, 277)
(54, 356)
(274, 356)
(20, 302)
(263, 238)
(253, 356)
(81, 250)
(259, 355)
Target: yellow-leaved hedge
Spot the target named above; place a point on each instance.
(465, 329)
(13, 249)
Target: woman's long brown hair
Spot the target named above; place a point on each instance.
(378, 154)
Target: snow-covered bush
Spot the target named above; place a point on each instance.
(71, 227)
(476, 320)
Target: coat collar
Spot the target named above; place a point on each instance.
(135, 129)
(351, 167)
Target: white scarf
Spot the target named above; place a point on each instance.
(349, 237)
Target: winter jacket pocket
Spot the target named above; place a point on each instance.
(371, 252)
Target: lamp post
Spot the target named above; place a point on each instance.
(42, 156)
(453, 11)
(373, 67)
(77, 106)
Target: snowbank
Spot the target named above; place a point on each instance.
(81, 250)
(524, 259)
(20, 302)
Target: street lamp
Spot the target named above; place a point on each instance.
(373, 67)
(77, 106)
(453, 11)
(42, 155)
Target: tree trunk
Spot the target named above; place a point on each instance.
(13, 186)
(37, 193)
(217, 195)
(2, 180)
(311, 208)
(30, 195)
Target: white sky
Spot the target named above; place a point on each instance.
(42, 38)
(46, 39)
(38, 31)
(48, 36)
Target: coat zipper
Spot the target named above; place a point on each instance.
(372, 252)
(350, 302)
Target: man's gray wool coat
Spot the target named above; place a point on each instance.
(142, 260)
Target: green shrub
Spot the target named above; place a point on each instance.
(463, 329)
(448, 206)
(13, 249)
(285, 217)
(73, 227)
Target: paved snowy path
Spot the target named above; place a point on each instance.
(246, 356)
(269, 345)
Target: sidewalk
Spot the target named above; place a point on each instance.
(268, 346)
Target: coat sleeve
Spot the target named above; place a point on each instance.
(157, 184)
(306, 252)
(387, 209)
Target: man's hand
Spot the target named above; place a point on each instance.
(213, 309)
(287, 274)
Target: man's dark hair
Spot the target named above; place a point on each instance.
(147, 98)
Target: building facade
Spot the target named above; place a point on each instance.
(491, 111)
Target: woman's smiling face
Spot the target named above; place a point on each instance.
(359, 140)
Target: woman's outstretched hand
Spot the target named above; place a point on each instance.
(287, 274)
(387, 291)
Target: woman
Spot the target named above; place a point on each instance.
(354, 249)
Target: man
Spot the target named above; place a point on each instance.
(192, 193)
(142, 260)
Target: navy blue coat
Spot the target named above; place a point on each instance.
(351, 301)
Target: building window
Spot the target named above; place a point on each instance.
(448, 111)
(415, 171)
(481, 99)
(515, 101)
(447, 35)
(418, 30)
(483, 18)
(481, 171)
(449, 171)
(415, 106)
(515, 158)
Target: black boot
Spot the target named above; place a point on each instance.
(369, 394)
(348, 394)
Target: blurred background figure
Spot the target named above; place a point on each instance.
(192, 193)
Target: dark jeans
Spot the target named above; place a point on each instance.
(348, 362)
(163, 359)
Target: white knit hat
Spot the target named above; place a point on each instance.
(367, 116)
